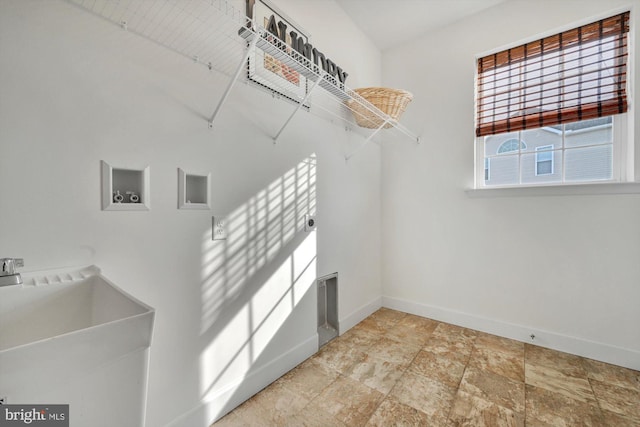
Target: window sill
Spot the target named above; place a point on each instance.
(557, 190)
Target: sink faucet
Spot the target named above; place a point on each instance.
(8, 275)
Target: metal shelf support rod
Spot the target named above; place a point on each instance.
(241, 66)
(306, 97)
(407, 132)
(369, 138)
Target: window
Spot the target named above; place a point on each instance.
(544, 160)
(512, 145)
(487, 169)
(566, 96)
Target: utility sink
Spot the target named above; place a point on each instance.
(62, 325)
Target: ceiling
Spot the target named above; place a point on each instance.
(391, 22)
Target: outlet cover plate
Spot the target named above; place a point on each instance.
(309, 222)
(218, 227)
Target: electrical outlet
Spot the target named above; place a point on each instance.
(309, 222)
(218, 228)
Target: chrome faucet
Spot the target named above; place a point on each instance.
(8, 275)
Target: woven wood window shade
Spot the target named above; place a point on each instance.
(578, 74)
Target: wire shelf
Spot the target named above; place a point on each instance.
(218, 35)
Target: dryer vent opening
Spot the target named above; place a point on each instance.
(327, 308)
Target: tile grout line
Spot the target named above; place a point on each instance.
(599, 406)
(404, 371)
(466, 365)
(394, 384)
(365, 351)
(524, 370)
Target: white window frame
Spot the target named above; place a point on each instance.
(626, 155)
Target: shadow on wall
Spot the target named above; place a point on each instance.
(252, 281)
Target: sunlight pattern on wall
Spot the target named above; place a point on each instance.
(252, 282)
(257, 231)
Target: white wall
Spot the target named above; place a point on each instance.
(564, 268)
(76, 89)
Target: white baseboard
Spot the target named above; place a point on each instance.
(359, 315)
(226, 399)
(568, 344)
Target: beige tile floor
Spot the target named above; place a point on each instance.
(396, 369)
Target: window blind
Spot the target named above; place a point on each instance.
(575, 75)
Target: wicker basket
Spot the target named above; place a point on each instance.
(392, 102)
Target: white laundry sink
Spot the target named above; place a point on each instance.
(63, 325)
